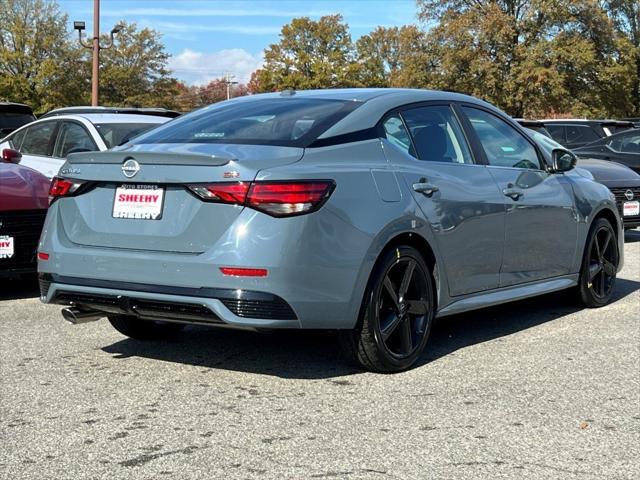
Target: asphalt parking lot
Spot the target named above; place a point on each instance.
(534, 389)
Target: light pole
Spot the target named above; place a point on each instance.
(96, 47)
(229, 82)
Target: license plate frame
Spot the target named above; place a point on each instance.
(631, 209)
(132, 205)
(7, 247)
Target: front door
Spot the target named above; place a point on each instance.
(458, 198)
(541, 221)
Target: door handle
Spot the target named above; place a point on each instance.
(513, 193)
(424, 187)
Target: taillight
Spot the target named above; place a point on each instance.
(226, 192)
(62, 187)
(276, 198)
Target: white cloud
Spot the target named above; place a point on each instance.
(198, 68)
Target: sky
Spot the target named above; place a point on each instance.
(208, 38)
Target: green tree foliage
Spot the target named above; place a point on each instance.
(195, 96)
(310, 54)
(38, 63)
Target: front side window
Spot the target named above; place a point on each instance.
(397, 134)
(503, 145)
(37, 139)
(73, 138)
(293, 122)
(437, 135)
(581, 134)
(628, 142)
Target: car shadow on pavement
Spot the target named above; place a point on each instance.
(18, 288)
(315, 354)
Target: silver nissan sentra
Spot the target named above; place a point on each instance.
(366, 211)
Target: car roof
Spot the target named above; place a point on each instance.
(111, 118)
(160, 112)
(12, 107)
(585, 121)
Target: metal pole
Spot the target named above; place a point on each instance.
(96, 53)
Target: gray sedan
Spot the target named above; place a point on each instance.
(367, 211)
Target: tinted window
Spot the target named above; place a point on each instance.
(73, 137)
(503, 145)
(437, 136)
(556, 132)
(13, 121)
(397, 134)
(628, 142)
(38, 138)
(581, 134)
(115, 134)
(272, 121)
(16, 139)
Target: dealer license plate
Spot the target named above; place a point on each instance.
(7, 246)
(140, 202)
(630, 209)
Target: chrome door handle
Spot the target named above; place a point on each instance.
(425, 187)
(513, 193)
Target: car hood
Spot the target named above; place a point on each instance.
(605, 171)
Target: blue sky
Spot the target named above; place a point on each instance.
(207, 38)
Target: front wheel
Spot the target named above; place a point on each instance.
(134, 327)
(599, 265)
(396, 315)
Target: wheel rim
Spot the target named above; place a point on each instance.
(403, 307)
(603, 263)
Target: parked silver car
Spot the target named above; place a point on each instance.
(367, 211)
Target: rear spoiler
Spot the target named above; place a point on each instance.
(148, 158)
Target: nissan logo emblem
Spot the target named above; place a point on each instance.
(629, 195)
(130, 168)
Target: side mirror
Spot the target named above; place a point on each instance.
(11, 156)
(563, 160)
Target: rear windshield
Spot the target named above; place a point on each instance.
(115, 134)
(294, 122)
(13, 121)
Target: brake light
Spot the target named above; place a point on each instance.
(226, 192)
(43, 256)
(276, 198)
(244, 272)
(61, 187)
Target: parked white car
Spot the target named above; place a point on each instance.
(44, 144)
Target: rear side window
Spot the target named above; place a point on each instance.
(73, 138)
(556, 132)
(437, 135)
(115, 134)
(397, 134)
(581, 134)
(292, 122)
(16, 139)
(37, 139)
(503, 145)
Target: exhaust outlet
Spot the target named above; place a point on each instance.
(75, 315)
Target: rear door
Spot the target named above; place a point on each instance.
(458, 198)
(37, 148)
(541, 223)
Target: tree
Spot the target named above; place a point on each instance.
(134, 71)
(38, 63)
(310, 54)
(394, 57)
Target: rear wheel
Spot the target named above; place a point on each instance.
(599, 265)
(144, 329)
(396, 316)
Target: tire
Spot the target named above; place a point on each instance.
(138, 329)
(393, 327)
(599, 265)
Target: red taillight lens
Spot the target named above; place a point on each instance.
(227, 192)
(282, 199)
(61, 187)
(244, 272)
(43, 256)
(279, 199)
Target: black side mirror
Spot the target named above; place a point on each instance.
(563, 160)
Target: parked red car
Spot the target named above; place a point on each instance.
(23, 207)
